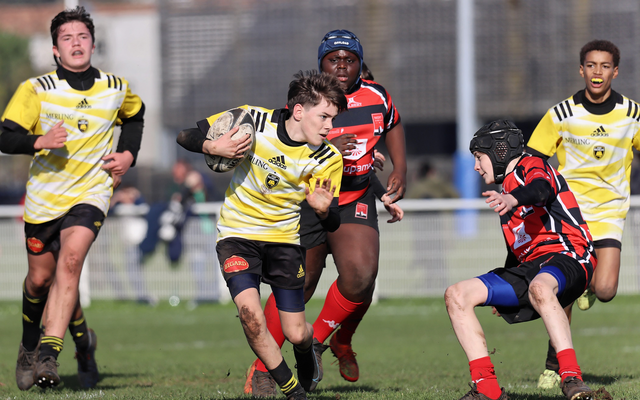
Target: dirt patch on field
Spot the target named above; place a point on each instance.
(602, 394)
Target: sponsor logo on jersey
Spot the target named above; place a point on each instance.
(35, 245)
(378, 123)
(351, 102)
(332, 324)
(578, 141)
(362, 210)
(358, 152)
(83, 125)
(271, 181)
(355, 169)
(83, 105)
(598, 152)
(235, 264)
(520, 236)
(300, 272)
(258, 162)
(600, 132)
(58, 116)
(278, 161)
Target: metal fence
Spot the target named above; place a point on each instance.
(220, 54)
(438, 243)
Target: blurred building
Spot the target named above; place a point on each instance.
(191, 58)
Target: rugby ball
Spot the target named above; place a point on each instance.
(230, 119)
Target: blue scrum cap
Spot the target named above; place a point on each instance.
(340, 39)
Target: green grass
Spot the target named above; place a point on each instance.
(406, 350)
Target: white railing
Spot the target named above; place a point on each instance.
(438, 243)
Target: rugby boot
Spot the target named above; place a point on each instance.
(47, 373)
(549, 379)
(346, 359)
(473, 394)
(586, 300)
(309, 366)
(26, 368)
(260, 384)
(297, 394)
(87, 367)
(575, 389)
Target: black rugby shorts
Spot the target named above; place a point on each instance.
(362, 212)
(280, 265)
(45, 237)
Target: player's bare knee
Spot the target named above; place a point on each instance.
(38, 284)
(297, 335)
(72, 263)
(453, 299)
(250, 322)
(606, 294)
(539, 293)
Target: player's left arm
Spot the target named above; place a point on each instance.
(535, 193)
(392, 208)
(636, 138)
(321, 197)
(327, 182)
(131, 117)
(537, 190)
(397, 182)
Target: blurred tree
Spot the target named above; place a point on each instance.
(15, 65)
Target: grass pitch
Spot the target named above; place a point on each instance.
(406, 350)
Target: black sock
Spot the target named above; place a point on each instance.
(79, 333)
(32, 309)
(285, 379)
(305, 360)
(50, 346)
(552, 359)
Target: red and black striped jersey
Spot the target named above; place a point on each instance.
(555, 226)
(371, 114)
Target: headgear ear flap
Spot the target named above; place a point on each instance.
(502, 141)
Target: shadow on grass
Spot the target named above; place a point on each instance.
(604, 379)
(528, 396)
(71, 382)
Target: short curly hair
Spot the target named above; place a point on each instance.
(600, 45)
(76, 14)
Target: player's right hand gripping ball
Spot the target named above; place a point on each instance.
(227, 121)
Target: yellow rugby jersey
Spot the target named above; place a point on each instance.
(61, 178)
(594, 147)
(263, 199)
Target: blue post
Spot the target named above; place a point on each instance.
(468, 185)
(466, 179)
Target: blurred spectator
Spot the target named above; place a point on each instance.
(131, 232)
(430, 185)
(166, 220)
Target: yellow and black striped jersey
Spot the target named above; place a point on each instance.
(594, 148)
(61, 178)
(263, 199)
